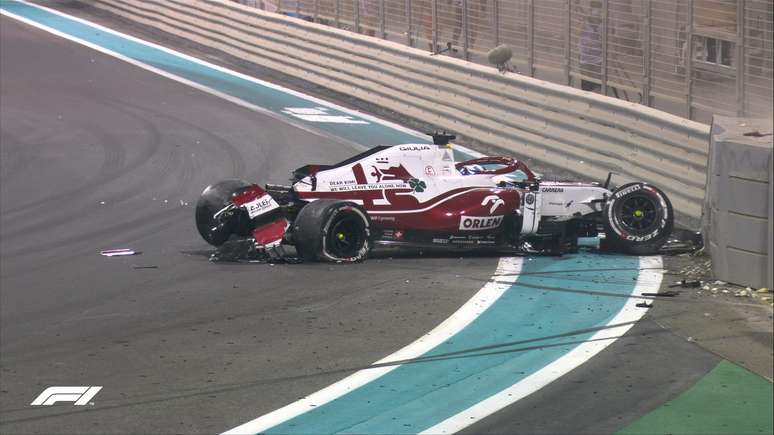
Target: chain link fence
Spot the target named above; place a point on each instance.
(692, 58)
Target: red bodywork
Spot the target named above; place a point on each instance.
(461, 210)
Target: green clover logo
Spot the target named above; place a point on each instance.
(417, 185)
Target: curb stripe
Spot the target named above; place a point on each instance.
(506, 273)
(648, 281)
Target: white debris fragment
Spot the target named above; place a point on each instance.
(102, 203)
(762, 290)
(117, 252)
(721, 282)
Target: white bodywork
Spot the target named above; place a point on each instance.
(564, 200)
(435, 166)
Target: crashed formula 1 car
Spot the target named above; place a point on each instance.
(416, 195)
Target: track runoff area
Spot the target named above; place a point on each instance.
(535, 320)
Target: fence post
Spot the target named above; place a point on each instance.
(567, 41)
(382, 23)
(740, 58)
(465, 29)
(689, 61)
(356, 15)
(646, 53)
(434, 24)
(603, 69)
(409, 27)
(496, 21)
(337, 8)
(531, 37)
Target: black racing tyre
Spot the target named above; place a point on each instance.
(213, 199)
(332, 230)
(638, 218)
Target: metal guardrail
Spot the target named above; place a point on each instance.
(579, 131)
(636, 50)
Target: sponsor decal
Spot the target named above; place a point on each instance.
(414, 147)
(342, 182)
(390, 174)
(260, 206)
(552, 189)
(441, 241)
(628, 190)
(383, 218)
(473, 223)
(495, 200)
(417, 184)
(370, 186)
(429, 170)
(530, 199)
(398, 235)
(554, 203)
(79, 396)
(320, 114)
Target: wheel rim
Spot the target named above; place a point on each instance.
(638, 214)
(346, 237)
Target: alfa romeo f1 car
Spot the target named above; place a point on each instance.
(416, 195)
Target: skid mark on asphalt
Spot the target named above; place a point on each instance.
(236, 87)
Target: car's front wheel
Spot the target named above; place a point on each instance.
(638, 219)
(216, 196)
(332, 230)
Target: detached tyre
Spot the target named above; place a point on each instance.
(213, 199)
(638, 219)
(332, 230)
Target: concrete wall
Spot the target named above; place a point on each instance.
(583, 132)
(738, 212)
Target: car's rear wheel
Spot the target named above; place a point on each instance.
(332, 230)
(214, 197)
(638, 219)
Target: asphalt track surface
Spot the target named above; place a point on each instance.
(181, 348)
(98, 154)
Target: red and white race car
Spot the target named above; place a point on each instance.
(416, 195)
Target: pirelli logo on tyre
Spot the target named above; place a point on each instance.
(473, 223)
(628, 190)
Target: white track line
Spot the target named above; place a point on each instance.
(507, 271)
(221, 69)
(649, 280)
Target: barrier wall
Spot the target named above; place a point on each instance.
(583, 132)
(738, 217)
